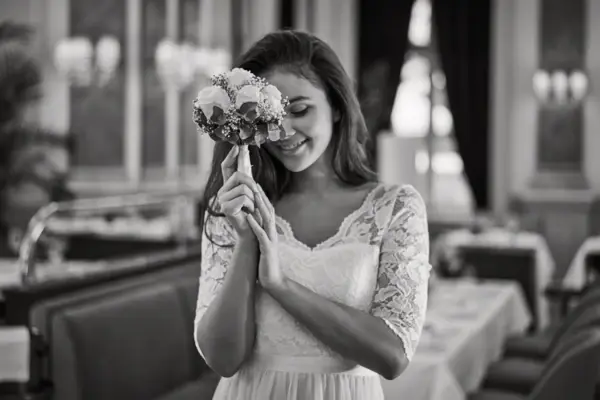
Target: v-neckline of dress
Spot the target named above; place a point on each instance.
(288, 231)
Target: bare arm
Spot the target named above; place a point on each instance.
(383, 340)
(355, 335)
(224, 327)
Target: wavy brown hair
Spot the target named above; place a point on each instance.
(309, 57)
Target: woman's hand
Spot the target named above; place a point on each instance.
(237, 195)
(269, 271)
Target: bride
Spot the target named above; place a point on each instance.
(314, 276)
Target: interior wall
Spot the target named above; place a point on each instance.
(514, 112)
(514, 55)
(335, 21)
(563, 215)
(592, 109)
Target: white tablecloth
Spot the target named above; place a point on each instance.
(500, 238)
(466, 327)
(10, 274)
(14, 354)
(576, 274)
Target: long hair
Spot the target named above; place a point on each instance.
(311, 58)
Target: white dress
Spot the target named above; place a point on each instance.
(377, 262)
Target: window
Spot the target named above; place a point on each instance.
(133, 133)
(421, 112)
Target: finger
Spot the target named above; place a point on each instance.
(234, 207)
(230, 159)
(261, 235)
(229, 163)
(238, 178)
(240, 190)
(264, 213)
(267, 213)
(257, 217)
(265, 199)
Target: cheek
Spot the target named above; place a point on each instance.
(317, 126)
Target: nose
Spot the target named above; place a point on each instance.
(288, 127)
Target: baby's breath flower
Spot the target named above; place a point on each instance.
(256, 111)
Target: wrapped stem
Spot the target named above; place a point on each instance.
(243, 160)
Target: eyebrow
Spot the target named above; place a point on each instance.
(298, 98)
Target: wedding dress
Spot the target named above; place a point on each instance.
(376, 262)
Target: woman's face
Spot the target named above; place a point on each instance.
(309, 115)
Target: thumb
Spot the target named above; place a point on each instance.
(229, 163)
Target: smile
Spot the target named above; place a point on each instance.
(291, 147)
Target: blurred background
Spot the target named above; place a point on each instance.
(489, 108)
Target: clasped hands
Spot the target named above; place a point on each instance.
(251, 214)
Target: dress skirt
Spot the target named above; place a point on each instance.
(300, 378)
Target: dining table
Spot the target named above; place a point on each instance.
(576, 276)
(465, 329)
(14, 354)
(499, 238)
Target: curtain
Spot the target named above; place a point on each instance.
(463, 36)
(286, 14)
(383, 39)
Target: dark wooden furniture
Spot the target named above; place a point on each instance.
(516, 264)
(105, 325)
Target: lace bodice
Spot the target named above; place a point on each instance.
(377, 262)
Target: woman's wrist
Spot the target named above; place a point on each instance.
(247, 241)
(246, 254)
(280, 285)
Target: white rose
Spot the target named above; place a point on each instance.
(272, 96)
(247, 94)
(210, 97)
(239, 77)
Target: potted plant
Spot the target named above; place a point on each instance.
(31, 171)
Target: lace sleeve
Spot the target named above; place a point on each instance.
(401, 294)
(215, 260)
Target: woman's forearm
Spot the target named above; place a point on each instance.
(226, 331)
(355, 335)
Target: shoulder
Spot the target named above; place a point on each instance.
(401, 198)
(408, 197)
(405, 207)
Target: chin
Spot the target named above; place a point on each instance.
(296, 165)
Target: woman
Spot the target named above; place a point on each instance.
(314, 276)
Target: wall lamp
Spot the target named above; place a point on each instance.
(83, 64)
(560, 87)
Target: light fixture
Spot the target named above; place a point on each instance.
(180, 64)
(82, 64)
(578, 82)
(560, 87)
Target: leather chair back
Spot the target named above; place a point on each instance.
(572, 372)
(128, 340)
(588, 319)
(590, 299)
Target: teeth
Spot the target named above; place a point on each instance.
(292, 146)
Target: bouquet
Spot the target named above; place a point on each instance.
(242, 109)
